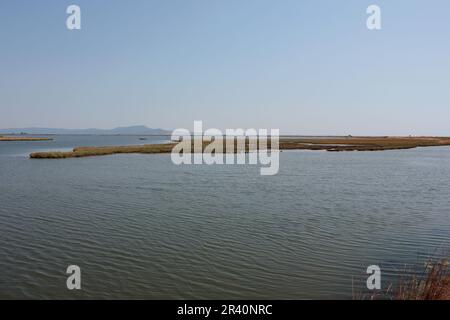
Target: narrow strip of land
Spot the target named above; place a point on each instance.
(363, 143)
(328, 144)
(13, 138)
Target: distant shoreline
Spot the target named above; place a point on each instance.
(22, 138)
(336, 144)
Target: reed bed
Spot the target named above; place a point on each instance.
(327, 144)
(431, 281)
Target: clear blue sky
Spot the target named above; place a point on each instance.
(305, 67)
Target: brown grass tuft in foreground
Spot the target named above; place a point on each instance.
(432, 284)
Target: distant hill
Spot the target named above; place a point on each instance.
(132, 130)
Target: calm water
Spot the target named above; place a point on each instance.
(141, 227)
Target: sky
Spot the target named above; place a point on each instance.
(304, 67)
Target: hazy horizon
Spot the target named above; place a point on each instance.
(169, 130)
(308, 68)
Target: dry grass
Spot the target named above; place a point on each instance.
(101, 151)
(431, 282)
(364, 143)
(3, 138)
(328, 144)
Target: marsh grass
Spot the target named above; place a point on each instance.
(364, 143)
(431, 281)
(9, 138)
(101, 151)
(327, 144)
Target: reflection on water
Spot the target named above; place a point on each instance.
(141, 227)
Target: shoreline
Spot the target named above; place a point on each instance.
(12, 138)
(326, 144)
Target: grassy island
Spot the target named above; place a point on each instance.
(102, 151)
(329, 144)
(21, 138)
(362, 143)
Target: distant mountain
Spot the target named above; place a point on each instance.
(133, 130)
